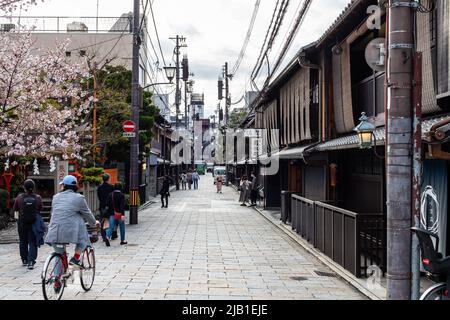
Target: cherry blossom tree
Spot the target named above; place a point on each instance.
(11, 5)
(42, 104)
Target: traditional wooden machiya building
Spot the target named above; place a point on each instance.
(331, 191)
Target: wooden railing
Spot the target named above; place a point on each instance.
(355, 241)
(90, 193)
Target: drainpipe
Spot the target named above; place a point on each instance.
(304, 63)
(417, 175)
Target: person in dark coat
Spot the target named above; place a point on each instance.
(165, 194)
(115, 205)
(254, 190)
(28, 242)
(103, 191)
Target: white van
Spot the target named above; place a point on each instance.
(220, 171)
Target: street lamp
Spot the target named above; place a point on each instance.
(170, 72)
(365, 131)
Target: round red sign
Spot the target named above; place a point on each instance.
(129, 126)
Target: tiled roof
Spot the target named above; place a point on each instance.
(352, 141)
(351, 5)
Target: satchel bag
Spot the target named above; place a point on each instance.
(117, 215)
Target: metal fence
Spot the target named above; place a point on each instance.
(68, 24)
(355, 241)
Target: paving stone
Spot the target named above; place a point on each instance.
(205, 246)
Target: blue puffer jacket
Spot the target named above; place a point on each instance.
(39, 230)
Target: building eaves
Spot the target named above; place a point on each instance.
(353, 4)
(352, 141)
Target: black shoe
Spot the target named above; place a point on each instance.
(107, 243)
(31, 265)
(76, 263)
(166, 207)
(24, 263)
(123, 243)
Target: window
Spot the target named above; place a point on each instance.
(82, 53)
(68, 54)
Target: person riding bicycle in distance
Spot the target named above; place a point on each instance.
(67, 224)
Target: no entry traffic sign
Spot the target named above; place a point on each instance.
(129, 126)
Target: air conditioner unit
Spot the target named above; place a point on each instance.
(77, 27)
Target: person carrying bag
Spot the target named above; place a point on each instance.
(116, 212)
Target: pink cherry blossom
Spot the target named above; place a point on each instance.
(42, 105)
(11, 5)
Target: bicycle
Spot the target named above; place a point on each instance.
(56, 272)
(437, 266)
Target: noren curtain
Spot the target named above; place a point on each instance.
(295, 103)
(342, 89)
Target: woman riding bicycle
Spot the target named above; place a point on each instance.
(67, 223)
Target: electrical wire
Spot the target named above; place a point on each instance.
(274, 28)
(247, 38)
(293, 32)
(157, 34)
(113, 47)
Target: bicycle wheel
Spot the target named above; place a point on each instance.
(87, 272)
(437, 292)
(53, 282)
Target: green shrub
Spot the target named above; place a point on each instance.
(92, 175)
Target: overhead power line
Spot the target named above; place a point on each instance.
(157, 34)
(274, 27)
(293, 32)
(247, 38)
(291, 37)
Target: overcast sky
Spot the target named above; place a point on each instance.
(215, 31)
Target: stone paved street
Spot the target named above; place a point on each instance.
(205, 246)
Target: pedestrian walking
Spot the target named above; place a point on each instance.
(27, 208)
(195, 179)
(244, 191)
(116, 212)
(165, 192)
(184, 180)
(189, 179)
(219, 184)
(253, 190)
(103, 192)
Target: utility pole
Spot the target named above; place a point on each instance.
(185, 80)
(135, 107)
(399, 149)
(227, 93)
(227, 108)
(179, 43)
